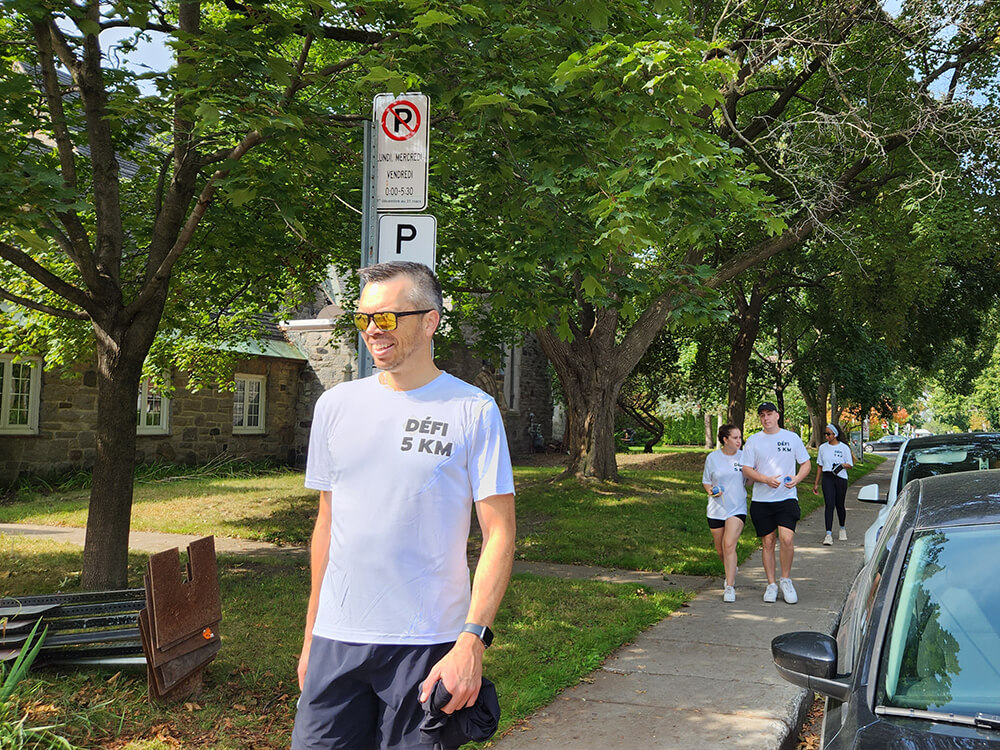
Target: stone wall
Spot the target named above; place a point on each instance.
(535, 396)
(330, 362)
(200, 424)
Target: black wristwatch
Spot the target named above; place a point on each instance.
(482, 632)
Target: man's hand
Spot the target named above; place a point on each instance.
(461, 671)
(774, 482)
(304, 662)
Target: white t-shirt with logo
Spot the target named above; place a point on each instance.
(774, 455)
(834, 454)
(403, 469)
(726, 472)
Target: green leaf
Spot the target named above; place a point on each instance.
(486, 100)
(31, 239)
(88, 27)
(207, 114)
(241, 195)
(433, 18)
(592, 287)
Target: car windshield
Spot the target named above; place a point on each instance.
(947, 459)
(943, 646)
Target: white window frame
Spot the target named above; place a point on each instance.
(34, 395)
(245, 429)
(142, 411)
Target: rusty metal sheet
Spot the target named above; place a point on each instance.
(178, 608)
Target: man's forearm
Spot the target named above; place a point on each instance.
(319, 554)
(495, 560)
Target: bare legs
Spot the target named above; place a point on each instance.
(725, 540)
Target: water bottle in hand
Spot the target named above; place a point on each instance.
(788, 480)
(716, 490)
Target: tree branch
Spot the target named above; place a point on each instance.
(42, 308)
(45, 277)
(159, 277)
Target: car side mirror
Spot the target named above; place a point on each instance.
(869, 494)
(809, 660)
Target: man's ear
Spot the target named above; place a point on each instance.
(432, 321)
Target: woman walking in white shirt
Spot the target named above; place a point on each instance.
(832, 463)
(727, 500)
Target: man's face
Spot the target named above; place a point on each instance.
(769, 419)
(391, 350)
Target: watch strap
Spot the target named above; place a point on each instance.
(482, 632)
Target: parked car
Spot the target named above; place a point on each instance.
(885, 443)
(923, 457)
(916, 660)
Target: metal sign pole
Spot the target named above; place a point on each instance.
(369, 230)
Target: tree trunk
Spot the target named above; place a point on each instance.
(119, 369)
(709, 436)
(816, 401)
(591, 440)
(748, 327)
(592, 371)
(834, 404)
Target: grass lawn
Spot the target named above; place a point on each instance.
(654, 519)
(550, 633)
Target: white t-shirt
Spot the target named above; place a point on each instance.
(774, 455)
(403, 468)
(835, 454)
(726, 472)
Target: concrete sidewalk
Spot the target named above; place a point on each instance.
(704, 677)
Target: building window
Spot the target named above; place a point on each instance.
(20, 386)
(152, 414)
(512, 377)
(248, 404)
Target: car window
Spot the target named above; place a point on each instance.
(942, 652)
(861, 599)
(947, 459)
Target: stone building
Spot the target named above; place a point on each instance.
(47, 418)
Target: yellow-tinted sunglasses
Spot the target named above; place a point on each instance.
(384, 321)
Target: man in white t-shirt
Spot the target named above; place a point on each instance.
(400, 460)
(769, 460)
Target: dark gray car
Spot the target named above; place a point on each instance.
(916, 660)
(885, 443)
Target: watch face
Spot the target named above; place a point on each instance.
(487, 637)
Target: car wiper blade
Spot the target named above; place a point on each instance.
(940, 716)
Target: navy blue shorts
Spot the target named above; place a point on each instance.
(363, 696)
(767, 517)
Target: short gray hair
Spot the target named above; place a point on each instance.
(426, 287)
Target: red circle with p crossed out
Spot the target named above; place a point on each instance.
(401, 120)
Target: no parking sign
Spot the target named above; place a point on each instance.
(402, 138)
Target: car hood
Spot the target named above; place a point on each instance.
(918, 734)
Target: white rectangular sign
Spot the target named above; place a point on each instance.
(402, 128)
(410, 237)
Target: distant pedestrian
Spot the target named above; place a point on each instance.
(832, 463)
(769, 460)
(727, 500)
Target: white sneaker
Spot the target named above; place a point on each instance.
(788, 590)
(843, 534)
(828, 539)
(729, 595)
(771, 593)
